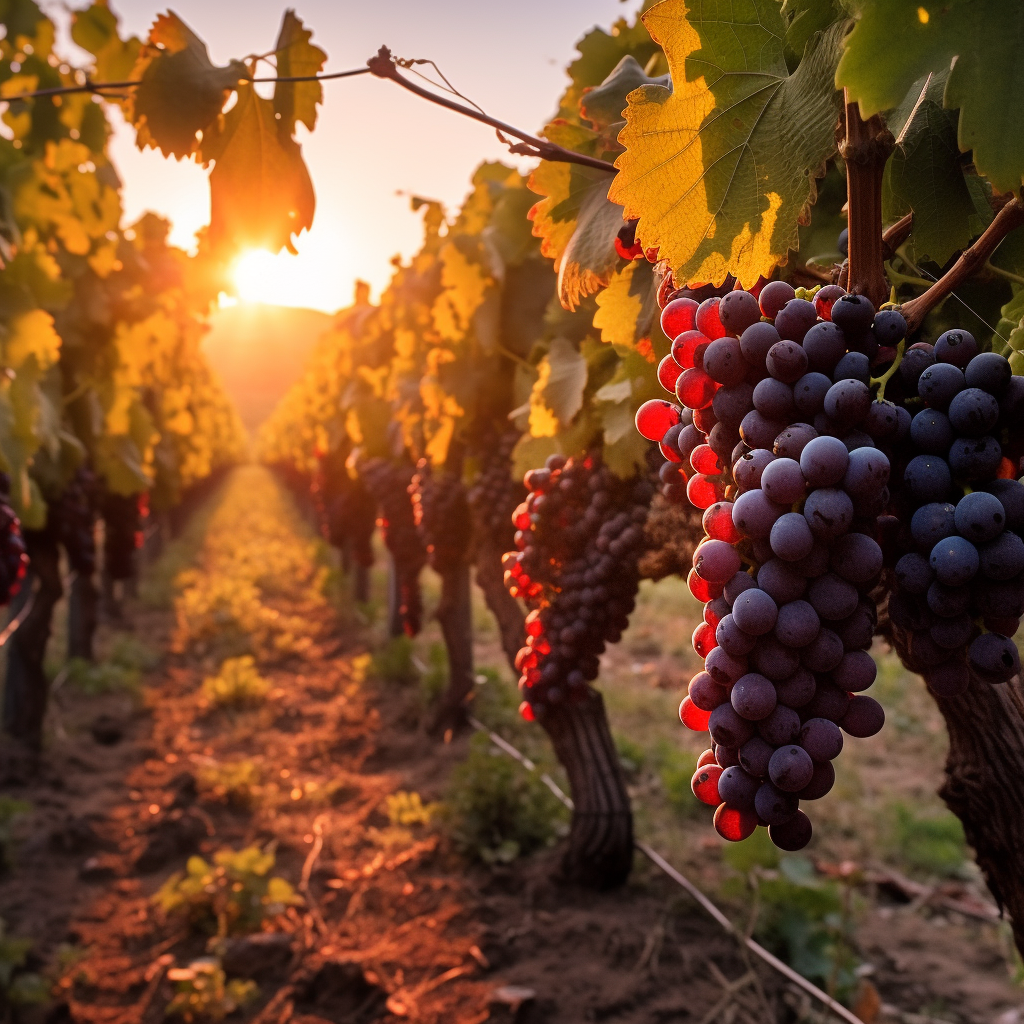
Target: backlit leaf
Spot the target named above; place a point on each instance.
(627, 308)
(558, 392)
(721, 170)
(260, 191)
(32, 335)
(896, 42)
(297, 57)
(94, 29)
(181, 91)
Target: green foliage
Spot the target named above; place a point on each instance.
(235, 782)
(675, 770)
(895, 43)
(631, 755)
(203, 991)
(434, 681)
(804, 920)
(409, 809)
(925, 840)
(9, 810)
(231, 896)
(18, 986)
(495, 810)
(237, 685)
(122, 669)
(393, 661)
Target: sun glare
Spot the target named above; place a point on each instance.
(319, 277)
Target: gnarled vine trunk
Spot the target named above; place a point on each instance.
(984, 785)
(83, 608)
(599, 854)
(455, 614)
(27, 688)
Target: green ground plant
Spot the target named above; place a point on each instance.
(237, 685)
(236, 783)
(393, 661)
(233, 895)
(495, 811)
(202, 991)
(9, 810)
(929, 841)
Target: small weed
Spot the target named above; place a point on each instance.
(495, 810)
(16, 985)
(9, 810)
(409, 809)
(236, 685)
(806, 921)
(203, 991)
(393, 663)
(929, 841)
(236, 783)
(435, 680)
(233, 895)
(631, 756)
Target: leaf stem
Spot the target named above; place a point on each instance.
(1009, 217)
(886, 377)
(383, 66)
(1016, 278)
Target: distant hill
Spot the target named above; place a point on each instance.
(259, 351)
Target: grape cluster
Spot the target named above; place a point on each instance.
(783, 444)
(351, 516)
(75, 520)
(388, 482)
(441, 511)
(496, 492)
(13, 557)
(122, 523)
(579, 535)
(960, 518)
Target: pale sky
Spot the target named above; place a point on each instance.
(373, 139)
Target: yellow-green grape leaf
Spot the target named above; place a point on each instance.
(261, 194)
(896, 42)
(22, 19)
(805, 17)
(181, 92)
(94, 29)
(297, 57)
(558, 392)
(602, 105)
(575, 221)
(32, 335)
(924, 175)
(1010, 330)
(628, 307)
(720, 171)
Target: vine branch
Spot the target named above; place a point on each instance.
(1009, 217)
(383, 66)
(100, 87)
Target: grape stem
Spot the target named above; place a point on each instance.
(383, 65)
(1009, 217)
(885, 378)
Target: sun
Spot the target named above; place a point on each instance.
(257, 276)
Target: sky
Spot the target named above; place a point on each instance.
(375, 143)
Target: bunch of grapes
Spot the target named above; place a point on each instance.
(495, 492)
(441, 511)
(76, 522)
(352, 518)
(959, 518)
(13, 557)
(579, 535)
(122, 533)
(804, 473)
(388, 482)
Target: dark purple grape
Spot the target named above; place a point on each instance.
(822, 739)
(832, 597)
(738, 788)
(864, 717)
(847, 402)
(775, 806)
(795, 319)
(939, 384)
(979, 516)
(790, 768)
(797, 624)
(1011, 494)
(993, 658)
(914, 574)
(755, 754)
(824, 461)
(857, 558)
(973, 412)
(796, 690)
(780, 581)
(791, 537)
(789, 443)
(792, 835)
(748, 468)
(738, 310)
(954, 560)
(723, 667)
(754, 514)
(728, 728)
(889, 327)
(740, 582)
(774, 399)
(733, 639)
(853, 313)
(956, 347)
(822, 781)
(774, 659)
(853, 366)
(931, 432)
(825, 345)
(755, 612)
(724, 363)
(753, 697)
(780, 727)
(783, 481)
(989, 371)
(809, 393)
(824, 652)
(933, 522)
(928, 478)
(1002, 558)
(856, 672)
(755, 342)
(975, 458)
(758, 431)
(829, 512)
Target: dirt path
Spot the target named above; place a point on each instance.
(389, 922)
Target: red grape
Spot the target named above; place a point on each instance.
(718, 523)
(703, 590)
(734, 824)
(668, 373)
(692, 717)
(704, 641)
(654, 418)
(701, 491)
(678, 316)
(686, 346)
(705, 783)
(707, 319)
(695, 389)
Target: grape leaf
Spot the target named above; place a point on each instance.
(94, 29)
(261, 194)
(297, 56)
(721, 170)
(896, 42)
(602, 105)
(558, 393)
(803, 18)
(628, 307)
(924, 175)
(180, 92)
(31, 336)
